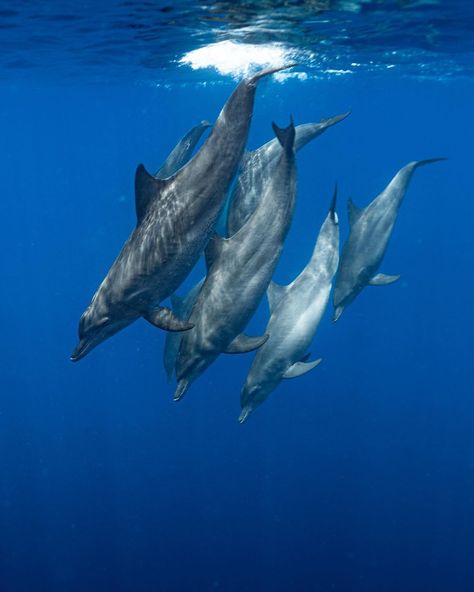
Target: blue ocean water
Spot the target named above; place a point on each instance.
(358, 476)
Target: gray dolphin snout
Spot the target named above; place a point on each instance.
(244, 414)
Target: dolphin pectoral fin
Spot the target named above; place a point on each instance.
(164, 318)
(147, 187)
(300, 368)
(275, 293)
(337, 313)
(381, 279)
(243, 344)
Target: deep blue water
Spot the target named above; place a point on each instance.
(358, 476)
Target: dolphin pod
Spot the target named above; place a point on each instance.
(177, 211)
(175, 219)
(239, 271)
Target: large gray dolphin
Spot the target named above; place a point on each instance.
(181, 153)
(296, 311)
(256, 167)
(370, 231)
(239, 271)
(175, 219)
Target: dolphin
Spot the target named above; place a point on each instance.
(370, 231)
(181, 153)
(175, 219)
(296, 311)
(239, 271)
(256, 167)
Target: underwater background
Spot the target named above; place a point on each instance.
(357, 476)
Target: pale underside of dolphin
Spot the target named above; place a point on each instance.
(239, 271)
(256, 166)
(370, 231)
(296, 311)
(175, 219)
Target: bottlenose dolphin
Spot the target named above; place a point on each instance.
(370, 231)
(175, 219)
(239, 271)
(296, 311)
(257, 166)
(181, 153)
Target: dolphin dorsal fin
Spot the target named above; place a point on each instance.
(353, 212)
(275, 293)
(147, 187)
(214, 249)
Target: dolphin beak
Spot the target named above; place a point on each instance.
(337, 312)
(82, 349)
(244, 415)
(180, 389)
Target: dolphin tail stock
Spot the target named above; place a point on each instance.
(286, 135)
(329, 121)
(268, 71)
(419, 163)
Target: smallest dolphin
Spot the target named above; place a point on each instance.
(296, 311)
(370, 231)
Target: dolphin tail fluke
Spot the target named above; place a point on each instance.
(286, 135)
(164, 318)
(268, 71)
(419, 163)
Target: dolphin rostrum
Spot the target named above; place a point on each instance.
(256, 167)
(296, 311)
(370, 231)
(181, 153)
(175, 219)
(239, 271)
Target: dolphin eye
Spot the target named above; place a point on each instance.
(103, 321)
